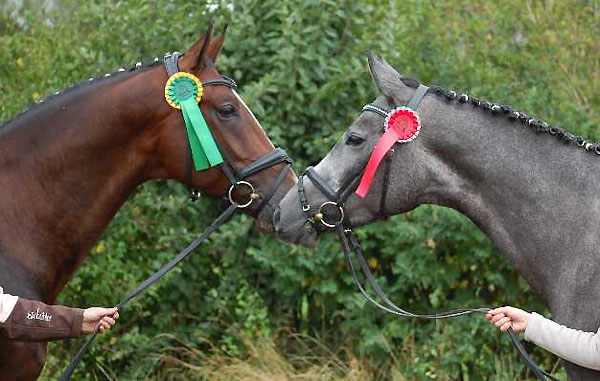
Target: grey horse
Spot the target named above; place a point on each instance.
(536, 198)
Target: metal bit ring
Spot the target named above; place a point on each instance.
(329, 225)
(234, 187)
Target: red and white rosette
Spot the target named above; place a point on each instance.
(406, 122)
(402, 125)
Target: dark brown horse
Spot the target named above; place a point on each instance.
(68, 164)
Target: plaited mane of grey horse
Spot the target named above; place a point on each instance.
(535, 197)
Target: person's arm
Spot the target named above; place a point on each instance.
(27, 320)
(37, 321)
(579, 347)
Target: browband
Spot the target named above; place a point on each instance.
(172, 67)
(413, 104)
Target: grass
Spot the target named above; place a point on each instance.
(291, 356)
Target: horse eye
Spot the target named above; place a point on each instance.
(226, 111)
(354, 140)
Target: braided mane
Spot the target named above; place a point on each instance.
(91, 81)
(502, 110)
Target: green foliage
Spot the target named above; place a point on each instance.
(302, 70)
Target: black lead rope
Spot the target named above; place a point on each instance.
(224, 217)
(275, 157)
(351, 245)
(278, 156)
(540, 373)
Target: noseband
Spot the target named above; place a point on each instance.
(237, 178)
(350, 244)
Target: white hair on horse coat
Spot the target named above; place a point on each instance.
(249, 111)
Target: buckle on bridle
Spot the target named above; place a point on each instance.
(194, 195)
(253, 195)
(321, 218)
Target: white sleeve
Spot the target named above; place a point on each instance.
(7, 303)
(579, 347)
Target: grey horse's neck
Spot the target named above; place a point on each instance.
(535, 197)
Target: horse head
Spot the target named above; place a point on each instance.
(343, 166)
(238, 135)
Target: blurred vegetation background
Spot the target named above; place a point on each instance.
(246, 306)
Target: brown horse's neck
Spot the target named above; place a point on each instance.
(68, 166)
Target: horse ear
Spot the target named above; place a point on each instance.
(193, 59)
(216, 45)
(386, 77)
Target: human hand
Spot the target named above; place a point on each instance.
(505, 317)
(93, 316)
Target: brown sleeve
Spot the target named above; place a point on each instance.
(36, 321)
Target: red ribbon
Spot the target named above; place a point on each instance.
(402, 126)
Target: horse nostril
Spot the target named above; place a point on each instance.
(276, 216)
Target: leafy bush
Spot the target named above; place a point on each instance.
(302, 69)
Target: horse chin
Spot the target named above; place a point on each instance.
(306, 239)
(265, 226)
(299, 235)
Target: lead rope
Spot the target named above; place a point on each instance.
(351, 245)
(278, 156)
(224, 217)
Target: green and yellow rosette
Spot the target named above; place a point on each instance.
(183, 91)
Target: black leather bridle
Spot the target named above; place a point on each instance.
(237, 179)
(350, 244)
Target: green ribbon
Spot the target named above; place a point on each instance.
(205, 153)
